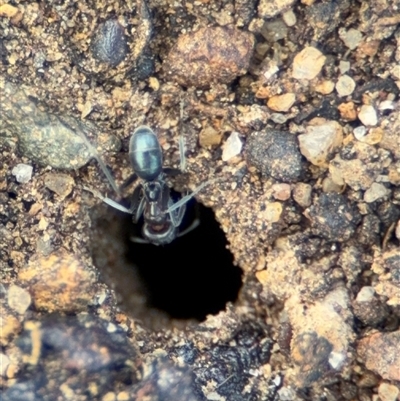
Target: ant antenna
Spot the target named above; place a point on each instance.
(181, 138)
(92, 151)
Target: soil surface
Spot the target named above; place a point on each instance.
(289, 112)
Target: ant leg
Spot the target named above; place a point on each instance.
(108, 201)
(131, 179)
(195, 224)
(173, 172)
(177, 214)
(137, 204)
(187, 198)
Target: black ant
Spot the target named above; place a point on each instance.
(152, 197)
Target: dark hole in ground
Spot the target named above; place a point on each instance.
(194, 275)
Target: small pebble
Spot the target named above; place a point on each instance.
(320, 141)
(308, 63)
(302, 194)
(368, 308)
(109, 44)
(344, 66)
(9, 11)
(348, 111)
(278, 118)
(209, 136)
(351, 38)
(281, 191)
(345, 85)
(379, 352)
(210, 55)
(270, 8)
(232, 146)
(333, 217)
(386, 105)
(325, 87)
(359, 132)
(61, 184)
(22, 172)
(59, 283)
(276, 154)
(388, 392)
(18, 299)
(375, 192)
(289, 18)
(274, 30)
(367, 115)
(282, 103)
(286, 394)
(4, 362)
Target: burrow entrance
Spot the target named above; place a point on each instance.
(187, 279)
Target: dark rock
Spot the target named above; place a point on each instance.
(276, 154)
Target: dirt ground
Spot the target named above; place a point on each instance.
(290, 111)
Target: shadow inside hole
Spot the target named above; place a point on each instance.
(187, 279)
(194, 275)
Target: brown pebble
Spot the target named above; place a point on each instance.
(209, 137)
(380, 353)
(61, 184)
(210, 55)
(302, 194)
(59, 282)
(282, 102)
(348, 111)
(281, 191)
(8, 11)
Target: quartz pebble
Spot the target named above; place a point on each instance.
(4, 362)
(344, 66)
(351, 38)
(375, 192)
(345, 85)
(282, 102)
(325, 87)
(281, 191)
(289, 18)
(359, 132)
(270, 8)
(308, 63)
(388, 392)
(302, 194)
(22, 172)
(367, 115)
(232, 146)
(18, 299)
(320, 141)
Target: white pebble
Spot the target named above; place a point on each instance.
(22, 172)
(308, 63)
(4, 362)
(388, 392)
(351, 38)
(367, 115)
(289, 18)
(232, 146)
(375, 192)
(344, 66)
(359, 132)
(345, 85)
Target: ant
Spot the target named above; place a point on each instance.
(152, 197)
